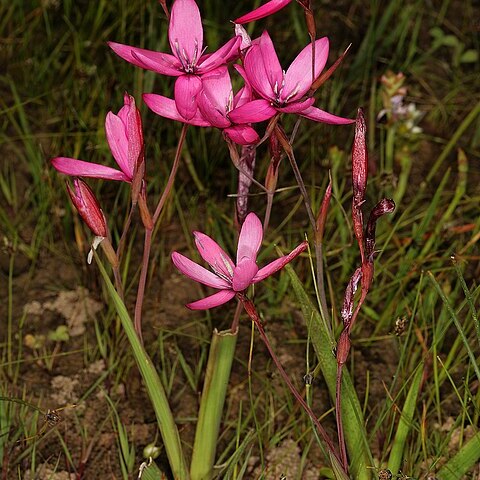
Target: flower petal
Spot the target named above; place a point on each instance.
(226, 53)
(159, 62)
(250, 238)
(165, 107)
(243, 274)
(252, 112)
(279, 263)
(213, 254)
(262, 11)
(215, 300)
(118, 142)
(263, 68)
(297, 107)
(187, 88)
(298, 78)
(80, 168)
(314, 113)
(242, 134)
(215, 97)
(185, 31)
(197, 272)
(245, 94)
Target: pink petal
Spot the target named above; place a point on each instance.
(242, 134)
(263, 11)
(252, 112)
(298, 78)
(118, 142)
(225, 54)
(244, 95)
(278, 264)
(213, 254)
(159, 62)
(187, 87)
(218, 87)
(314, 113)
(263, 69)
(213, 113)
(134, 133)
(215, 97)
(215, 300)
(243, 274)
(250, 238)
(197, 272)
(79, 168)
(185, 31)
(165, 107)
(297, 107)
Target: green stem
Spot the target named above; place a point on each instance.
(220, 358)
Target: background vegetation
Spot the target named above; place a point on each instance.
(58, 79)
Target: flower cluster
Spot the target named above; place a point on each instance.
(203, 96)
(203, 93)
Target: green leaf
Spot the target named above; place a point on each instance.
(466, 458)
(469, 56)
(220, 358)
(156, 392)
(60, 334)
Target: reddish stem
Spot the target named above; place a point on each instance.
(149, 231)
(252, 313)
(338, 408)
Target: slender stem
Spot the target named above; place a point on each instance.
(268, 210)
(148, 234)
(252, 313)
(173, 173)
(118, 282)
(142, 282)
(236, 318)
(338, 409)
(123, 238)
(318, 245)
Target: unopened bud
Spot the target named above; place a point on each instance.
(343, 348)
(359, 160)
(246, 40)
(151, 451)
(384, 206)
(88, 207)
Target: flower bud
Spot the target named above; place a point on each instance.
(88, 207)
(246, 40)
(151, 451)
(384, 206)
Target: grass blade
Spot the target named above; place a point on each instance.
(405, 423)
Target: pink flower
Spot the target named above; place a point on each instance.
(281, 91)
(185, 34)
(228, 277)
(215, 102)
(263, 11)
(125, 139)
